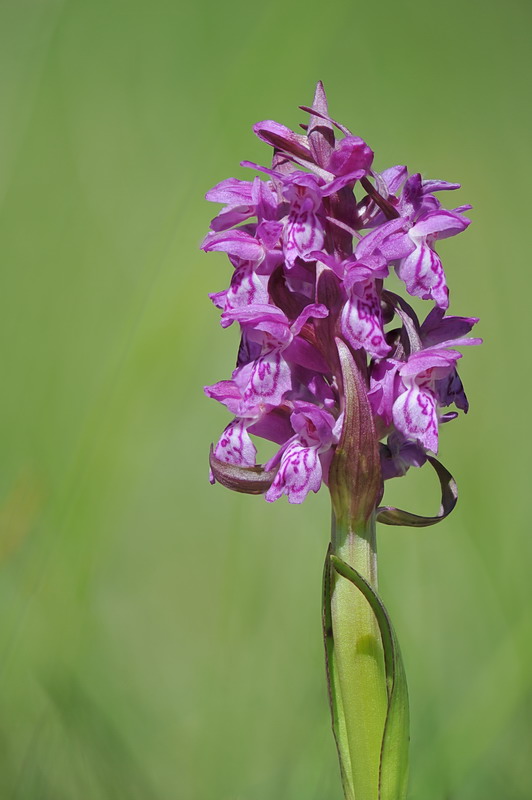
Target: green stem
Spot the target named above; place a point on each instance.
(360, 679)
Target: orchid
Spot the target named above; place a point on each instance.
(340, 374)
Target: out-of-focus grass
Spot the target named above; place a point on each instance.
(156, 640)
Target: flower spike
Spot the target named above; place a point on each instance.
(352, 387)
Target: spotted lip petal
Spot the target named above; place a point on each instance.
(423, 274)
(299, 473)
(415, 416)
(266, 380)
(300, 464)
(362, 320)
(235, 446)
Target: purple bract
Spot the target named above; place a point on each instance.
(311, 244)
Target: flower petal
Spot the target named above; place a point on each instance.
(236, 243)
(265, 381)
(362, 320)
(316, 310)
(398, 455)
(393, 177)
(231, 192)
(313, 425)
(423, 275)
(341, 181)
(350, 154)
(226, 392)
(235, 446)
(246, 289)
(230, 217)
(450, 389)
(436, 360)
(439, 224)
(438, 186)
(415, 416)
(437, 328)
(299, 473)
(384, 388)
(303, 234)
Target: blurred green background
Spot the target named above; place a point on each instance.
(156, 641)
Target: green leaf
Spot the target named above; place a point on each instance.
(393, 771)
(335, 697)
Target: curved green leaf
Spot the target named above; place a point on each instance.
(449, 497)
(335, 697)
(393, 772)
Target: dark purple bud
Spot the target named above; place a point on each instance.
(349, 155)
(451, 390)
(438, 328)
(292, 303)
